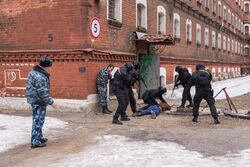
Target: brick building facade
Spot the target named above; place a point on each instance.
(62, 30)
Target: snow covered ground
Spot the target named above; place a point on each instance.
(114, 150)
(234, 87)
(16, 130)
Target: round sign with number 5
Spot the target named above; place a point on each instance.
(95, 28)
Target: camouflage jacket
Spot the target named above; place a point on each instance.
(38, 87)
(102, 77)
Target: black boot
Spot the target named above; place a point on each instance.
(125, 118)
(195, 120)
(181, 106)
(216, 121)
(109, 110)
(116, 121)
(190, 105)
(105, 110)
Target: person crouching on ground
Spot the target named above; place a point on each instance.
(202, 81)
(38, 96)
(101, 84)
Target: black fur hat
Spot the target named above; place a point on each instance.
(45, 62)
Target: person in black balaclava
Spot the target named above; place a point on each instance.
(184, 79)
(202, 81)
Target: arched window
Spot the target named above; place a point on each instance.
(246, 50)
(246, 9)
(213, 39)
(228, 44)
(229, 16)
(189, 30)
(224, 43)
(198, 34)
(219, 8)
(206, 37)
(161, 20)
(141, 12)
(246, 31)
(232, 46)
(225, 13)
(214, 6)
(219, 41)
(236, 46)
(176, 25)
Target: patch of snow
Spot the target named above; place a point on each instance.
(114, 150)
(16, 130)
(234, 87)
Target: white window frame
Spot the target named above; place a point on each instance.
(224, 13)
(228, 44)
(236, 47)
(206, 37)
(189, 36)
(198, 34)
(224, 43)
(229, 16)
(176, 28)
(246, 25)
(161, 10)
(232, 44)
(117, 12)
(232, 19)
(207, 4)
(219, 41)
(145, 15)
(214, 6)
(213, 39)
(219, 8)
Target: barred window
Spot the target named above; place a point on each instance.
(114, 10)
(176, 25)
(141, 11)
(198, 34)
(161, 19)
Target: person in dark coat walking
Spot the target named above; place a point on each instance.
(38, 96)
(101, 84)
(135, 77)
(121, 83)
(184, 79)
(202, 81)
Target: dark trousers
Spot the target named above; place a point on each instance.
(132, 100)
(186, 95)
(208, 96)
(123, 100)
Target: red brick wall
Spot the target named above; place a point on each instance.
(26, 25)
(73, 74)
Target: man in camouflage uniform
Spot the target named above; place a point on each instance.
(38, 95)
(101, 84)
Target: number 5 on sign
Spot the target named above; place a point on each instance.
(95, 28)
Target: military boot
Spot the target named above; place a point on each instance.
(109, 110)
(116, 121)
(195, 120)
(105, 110)
(125, 118)
(190, 105)
(216, 121)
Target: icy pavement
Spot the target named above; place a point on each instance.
(234, 87)
(113, 150)
(16, 130)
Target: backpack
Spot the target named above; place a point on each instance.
(203, 78)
